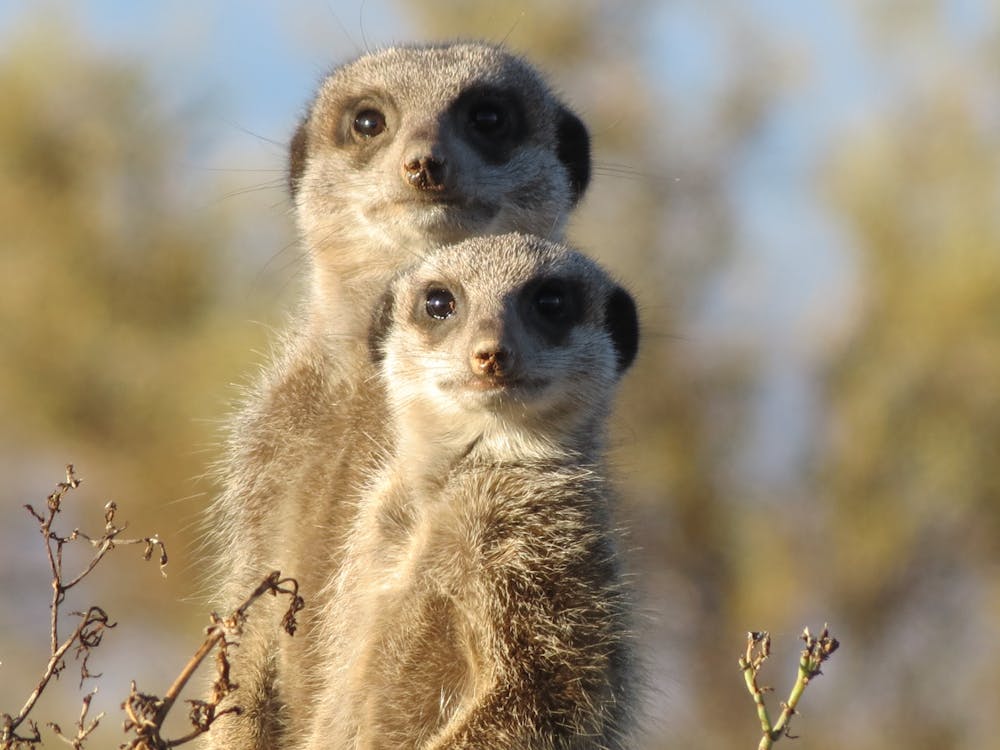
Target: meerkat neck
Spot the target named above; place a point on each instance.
(344, 281)
(427, 457)
(333, 301)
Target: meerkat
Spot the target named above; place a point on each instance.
(401, 150)
(480, 602)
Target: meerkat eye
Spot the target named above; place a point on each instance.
(369, 123)
(552, 300)
(440, 304)
(488, 118)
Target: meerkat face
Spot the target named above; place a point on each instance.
(506, 331)
(419, 146)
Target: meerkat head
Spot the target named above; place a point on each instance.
(505, 336)
(416, 146)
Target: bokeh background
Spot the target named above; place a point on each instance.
(805, 198)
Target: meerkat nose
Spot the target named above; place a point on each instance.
(491, 359)
(426, 172)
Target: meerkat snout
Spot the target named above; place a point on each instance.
(425, 172)
(491, 359)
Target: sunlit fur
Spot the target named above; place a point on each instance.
(480, 601)
(313, 429)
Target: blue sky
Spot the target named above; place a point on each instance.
(265, 57)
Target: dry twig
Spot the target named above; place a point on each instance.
(89, 631)
(146, 713)
(818, 649)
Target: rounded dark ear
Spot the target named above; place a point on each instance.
(622, 321)
(297, 158)
(573, 150)
(381, 323)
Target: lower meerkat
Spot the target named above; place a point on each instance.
(401, 151)
(480, 602)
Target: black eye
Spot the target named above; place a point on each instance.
(440, 304)
(488, 118)
(369, 123)
(552, 301)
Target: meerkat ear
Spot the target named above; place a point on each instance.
(573, 150)
(297, 158)
(381, 323)
(622, 321)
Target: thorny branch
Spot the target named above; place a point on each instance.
(89, 631)
(146, 713)
(817, 650)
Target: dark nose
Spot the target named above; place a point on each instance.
(425, 172)
(491, 360)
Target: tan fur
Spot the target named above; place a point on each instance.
(480, 602)
(312, 431)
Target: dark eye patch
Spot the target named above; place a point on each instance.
(552, 300)
(492, 120)
(488, 118)
(555, 305)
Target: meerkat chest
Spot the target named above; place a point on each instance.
(478, 524)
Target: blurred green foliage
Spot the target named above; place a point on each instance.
(118, 344)
(117, 333)
(908, 465)
(912, 461)
(103, 291)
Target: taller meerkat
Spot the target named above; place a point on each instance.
(401, 151)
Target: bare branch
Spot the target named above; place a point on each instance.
(147, 713)
(83, 729)
(817, 650)
(89, 631)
